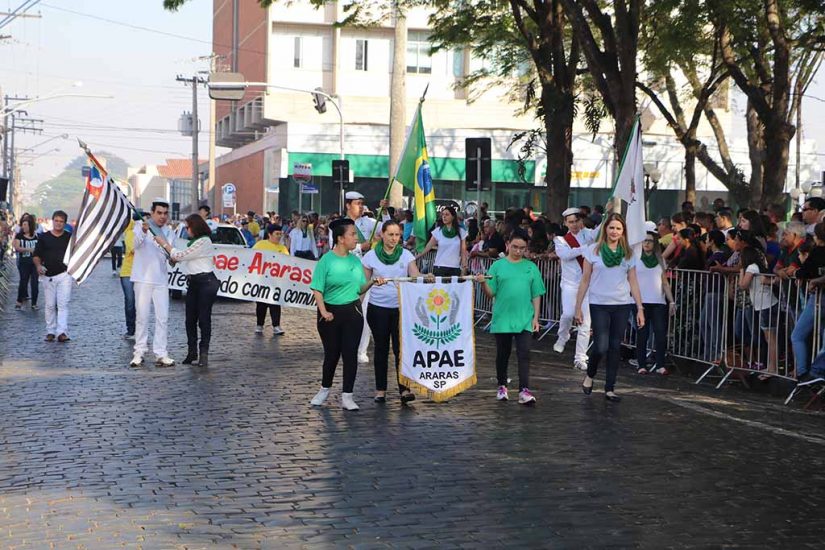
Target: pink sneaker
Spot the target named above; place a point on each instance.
(502, 394)
(525, 397)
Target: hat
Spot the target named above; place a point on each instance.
(570, 212)
(650, 227)
(353, 195)
(161, 201)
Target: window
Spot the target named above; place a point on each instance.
(361, 55)
(418, 53)
(298, 52)
(458, 63)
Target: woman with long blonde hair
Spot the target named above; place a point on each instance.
(609, 281)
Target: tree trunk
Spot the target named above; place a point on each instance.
(777, 153)
(624, 118)
(398, 103)
(558, 124)
(756, 152)
(690, 173)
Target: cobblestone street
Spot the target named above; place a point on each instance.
(98, 455)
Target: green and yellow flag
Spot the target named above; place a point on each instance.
(413, 172)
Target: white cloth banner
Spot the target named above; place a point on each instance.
(437, 338)
(258, 276)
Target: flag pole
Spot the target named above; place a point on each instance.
(398, 164)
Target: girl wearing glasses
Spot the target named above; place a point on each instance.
(516, 287)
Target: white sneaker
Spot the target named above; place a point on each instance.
(525, 397)
(558, 347)
(580, 365)
(259, 329)
(348, 403)
(278, 331)
(114, 273)
(137, 360)
(320, 397)
(165, 361)
(130, 337)
(501, 395)
(363, 358)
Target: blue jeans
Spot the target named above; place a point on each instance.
(655, 319)
(129, 303)
(801, 340)
(608, 324)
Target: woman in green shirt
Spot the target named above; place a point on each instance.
(516, 287)
(337, 283)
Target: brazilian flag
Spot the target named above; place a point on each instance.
(413, 172)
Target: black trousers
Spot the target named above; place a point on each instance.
(384, 323)
(656, 319)
(274, 313)
(200, 296)
(340, 338)
(504, 345)
(28, 277)
(117, 257)
(608, 323)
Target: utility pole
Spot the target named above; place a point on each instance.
(12, 122)
(398, 101)
(194, 81)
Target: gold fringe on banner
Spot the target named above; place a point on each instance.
(415, 387)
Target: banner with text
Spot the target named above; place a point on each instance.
(258, 276)
(437, 338)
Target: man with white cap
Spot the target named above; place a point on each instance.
(364, 226)
(569, 249)
(149, 278)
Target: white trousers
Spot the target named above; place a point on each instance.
(57, 291)
(365, 332)
(568, 308)
(147, 295)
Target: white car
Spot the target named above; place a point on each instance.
(224, 235)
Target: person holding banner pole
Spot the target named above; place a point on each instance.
(516, 287)
(197, 259)
(388, 259)
(272, 243)
(451, 255)
(609, 281)
(338, 282)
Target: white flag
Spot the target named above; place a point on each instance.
(630, 186)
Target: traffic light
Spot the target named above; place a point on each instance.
(478, 168)
(320, 101)
(340, 172)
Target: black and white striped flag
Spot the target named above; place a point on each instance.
(104, 215)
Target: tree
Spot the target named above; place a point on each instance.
(678, 37)
(610, 40)
(771, 48)
(530, 49)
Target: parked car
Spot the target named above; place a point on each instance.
(225, 235)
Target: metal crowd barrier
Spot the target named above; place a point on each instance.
(716, 323)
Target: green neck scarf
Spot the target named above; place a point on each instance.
(190, 242)
(385, 257)
(609, 257)
(650, 260)
(449, 232)
(361, 237)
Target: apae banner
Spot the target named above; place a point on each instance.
(437, 338)
(258, 276)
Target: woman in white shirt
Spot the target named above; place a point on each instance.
(609, 280)
(302, 241)
(755, 279)
(202, 290)
(657, 302)
(451, 255)
(388, 259)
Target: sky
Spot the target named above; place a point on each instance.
(132, 50)
(98, 43)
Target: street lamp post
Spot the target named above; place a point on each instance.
(318, 94)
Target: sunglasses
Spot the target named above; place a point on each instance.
(649, 241)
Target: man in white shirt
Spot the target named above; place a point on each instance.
(570, 249)
(811, 213)
(354, 210)
(149, 277)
